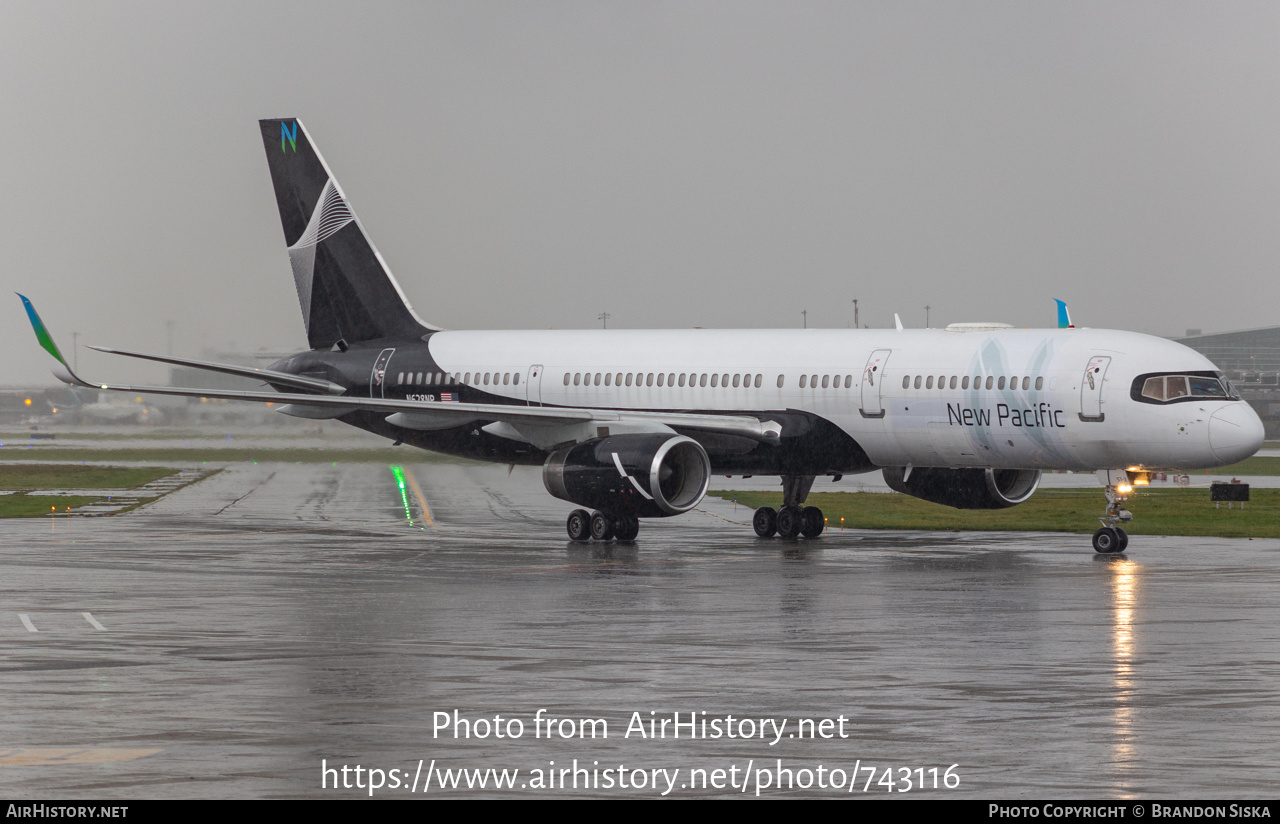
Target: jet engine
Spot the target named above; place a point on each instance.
(645, 476)
(965, 488)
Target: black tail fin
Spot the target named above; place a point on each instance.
(345, 289)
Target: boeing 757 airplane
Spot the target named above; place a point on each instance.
(631, 424)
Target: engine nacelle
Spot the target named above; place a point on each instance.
(647, 476)
(965, 488)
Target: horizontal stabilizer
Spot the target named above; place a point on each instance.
(266, 375)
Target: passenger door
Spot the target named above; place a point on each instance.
(533, 385)
(872, 384)
(1091, 389)
(378, 377)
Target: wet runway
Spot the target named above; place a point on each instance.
(223, 640)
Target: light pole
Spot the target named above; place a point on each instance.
(603, 317)
(926, 316)
(855, 313)
(805, 314)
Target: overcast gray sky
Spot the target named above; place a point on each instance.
(524, 165)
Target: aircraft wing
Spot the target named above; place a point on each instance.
(541, 425)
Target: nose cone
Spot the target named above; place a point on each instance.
(1235, 432)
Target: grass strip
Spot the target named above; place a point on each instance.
(1156, 512)
(1249, 466)
(31, 506)
(78, 476)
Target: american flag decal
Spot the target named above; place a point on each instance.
(449, 396)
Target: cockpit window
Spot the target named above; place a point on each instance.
(1170, 388)
(1207, 388)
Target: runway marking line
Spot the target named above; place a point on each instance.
(88, 616)
(26, 622)
(417, 492)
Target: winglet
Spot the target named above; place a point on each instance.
(897, 321)
(1064, 317)
(59, 367)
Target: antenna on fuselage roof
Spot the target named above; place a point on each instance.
(1064, 316)
(897, 321)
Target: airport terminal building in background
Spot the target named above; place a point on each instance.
(1251, 359)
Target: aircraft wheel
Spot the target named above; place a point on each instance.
(811, 522)
(601, 526)
(789, 522)
(1106, 541)
(626, 528)
(579, 525)
(765, 522)
(1124, 539)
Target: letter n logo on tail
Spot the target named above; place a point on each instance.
(289, 136)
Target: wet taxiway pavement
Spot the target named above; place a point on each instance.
(225, 639)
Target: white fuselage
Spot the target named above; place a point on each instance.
(912, 397)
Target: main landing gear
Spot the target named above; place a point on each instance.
(1111, 539)
(599, 526)
(792, 520)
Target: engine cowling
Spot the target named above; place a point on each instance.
(965, 488)
(647, 476)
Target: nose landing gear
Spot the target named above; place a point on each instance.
(1110, 539)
